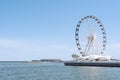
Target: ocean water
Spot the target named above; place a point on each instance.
(55, 71)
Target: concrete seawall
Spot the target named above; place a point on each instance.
(96, 63)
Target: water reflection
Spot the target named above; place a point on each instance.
(95, 73)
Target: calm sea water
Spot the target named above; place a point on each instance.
(55, 71)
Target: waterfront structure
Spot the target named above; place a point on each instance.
(51, 60)
(47, 60)
(91, 40)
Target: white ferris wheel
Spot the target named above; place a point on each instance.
(90, 37)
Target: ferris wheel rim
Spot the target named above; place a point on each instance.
(100, 26)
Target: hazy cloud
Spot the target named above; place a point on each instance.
(29, 46)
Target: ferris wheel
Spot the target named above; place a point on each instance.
(90, 36)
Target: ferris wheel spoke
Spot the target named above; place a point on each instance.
(86, 47)
(90, 44)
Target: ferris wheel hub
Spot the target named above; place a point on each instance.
(91, 37)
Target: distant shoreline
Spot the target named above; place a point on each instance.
(41, 60)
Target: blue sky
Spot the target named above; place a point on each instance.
(35, 29)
